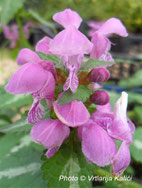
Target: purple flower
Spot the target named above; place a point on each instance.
(100, 97)
(100, 39)
(70, 44)
(121, 127)
(11, 33)
(51, 134)
(97, 145)
(95, 25)
(98, 133)
(100, 74)
(35, 76)
(73, 114)
(26, 29)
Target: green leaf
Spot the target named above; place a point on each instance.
(69, 161)
(41, 19)
(93, 63)
(17, 127)
(134, 81)
(136, 146)
(9, 9)
(8, 100)
(135, 98)
(20, 162)
(138, 113)
(82, 94)
(58, 63)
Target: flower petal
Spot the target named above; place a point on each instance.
(101, 45)
(121, 160)
(68, 17)
(70, 42)
(120, 128)
(50, 133)
(97, 146)
(27, 56)
(72, 114)
(131, 125)
(36, 112)
(47, 90)
(28, 79)
(72, 81)
(48, 66)
(103, 119)
(113, 26)
(43, 45)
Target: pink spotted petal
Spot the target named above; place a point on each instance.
(121, 160)
(68, 17)
(113, 26)
(103, 116)
(72, 81)
(107, 57)
(103, 119)
(27, 56)
(36, 112)
(72, 114)
(70, 42)
(48, 66)
(47, 90)
(101, 45)
(28, 79)
(97, 145)
(43, 45)
(50, 133)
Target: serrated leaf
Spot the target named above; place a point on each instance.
(68, 162)
(136, 146)
(20, 162)
(9, 9)
(93, 63)
(82, 94)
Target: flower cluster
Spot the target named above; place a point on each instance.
(12, 32)
(39, 77)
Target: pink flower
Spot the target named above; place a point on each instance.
(70, 44)
(11, 33)
(73, 114)
(51, 134)
(95, 25)
(35, 76)
(100, 39)
(121, 128)
(98, 133)
(97, 145)
(26, 29)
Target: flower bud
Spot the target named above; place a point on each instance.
(99, 74)
(100, 97)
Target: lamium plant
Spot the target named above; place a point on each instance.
(64, 75)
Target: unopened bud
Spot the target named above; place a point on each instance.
(100, 97)
(99, 74)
